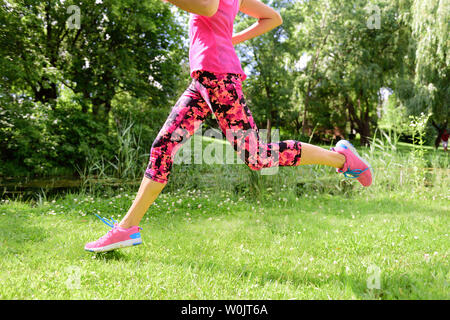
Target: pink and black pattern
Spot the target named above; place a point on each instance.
(222, 94)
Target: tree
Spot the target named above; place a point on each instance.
(64, 63)
(349, 61)
(118, 46)
(430, 30)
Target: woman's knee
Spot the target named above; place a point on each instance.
(255, 167)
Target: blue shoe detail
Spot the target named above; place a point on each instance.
(354, 173)
(341, 143)
(136, 235)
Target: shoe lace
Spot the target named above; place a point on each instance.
(355, 173)
(109, 223)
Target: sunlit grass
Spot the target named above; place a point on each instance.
(225, 232)
(203, 245)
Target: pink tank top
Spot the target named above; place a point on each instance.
(211, 48)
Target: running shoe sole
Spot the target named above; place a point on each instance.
(113, 246)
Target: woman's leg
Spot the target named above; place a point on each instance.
(316, 155)
(236, 122)
(185, 118)
(148, 192)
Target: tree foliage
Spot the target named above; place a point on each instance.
(64, 89)
(49, 57)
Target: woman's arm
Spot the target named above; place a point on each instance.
(268, 19)
(206, 8)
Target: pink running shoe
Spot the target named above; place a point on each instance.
(355, 166)
(116, 238)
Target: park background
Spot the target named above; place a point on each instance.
(86, 86)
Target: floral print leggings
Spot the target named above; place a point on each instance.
(220, 93)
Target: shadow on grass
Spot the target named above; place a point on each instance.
(16, 231)
(114, 255)
(374, 206)
(394, 285)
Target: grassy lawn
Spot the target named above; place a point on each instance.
(217, 245)
(224, 232)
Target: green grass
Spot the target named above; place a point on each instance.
(316, 247)
(225, 232)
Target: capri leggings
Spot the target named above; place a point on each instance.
(220, 93)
